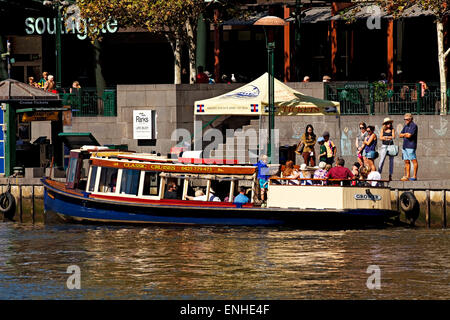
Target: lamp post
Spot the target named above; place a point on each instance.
(270, 46)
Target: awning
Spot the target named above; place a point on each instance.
(314, 15)
(365, 11)
(244, 21)
(252, 99)
(75, 140)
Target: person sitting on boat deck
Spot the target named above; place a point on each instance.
(171, 192)
(290, 172)
(321, 172)
(340, 172)
(355, 170)
(241, 197)
(374, 175)
(363, 173)
(263, 176)
(305, 174)
(200, 196)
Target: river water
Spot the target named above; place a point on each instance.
(222, 263)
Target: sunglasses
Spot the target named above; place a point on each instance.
(362, 128)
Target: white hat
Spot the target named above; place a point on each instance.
(303, 167)
(322, 164)
(386, 120)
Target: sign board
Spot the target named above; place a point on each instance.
(40, 116)
(143, 124)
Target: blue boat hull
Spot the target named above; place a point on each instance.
(85, 209)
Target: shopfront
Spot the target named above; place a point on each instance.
(21, 105)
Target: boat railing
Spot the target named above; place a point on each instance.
(327, 182)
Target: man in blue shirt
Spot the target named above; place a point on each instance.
(241, 198)
(409, 135)
(263, 176)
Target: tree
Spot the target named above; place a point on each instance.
(440, 9)
(175, 19)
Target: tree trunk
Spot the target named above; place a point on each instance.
(442, 76)
(176, 48)
(192, 49)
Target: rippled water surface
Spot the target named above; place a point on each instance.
(221, 263)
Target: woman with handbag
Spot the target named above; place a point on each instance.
(388, 148)
(308, 140)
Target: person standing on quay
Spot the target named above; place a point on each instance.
(369, 147)
(387, 136)
(409, 135)
(331, 148)
(360, 140)
(309, 140)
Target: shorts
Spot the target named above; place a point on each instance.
(329, 161)
(409, 154)
(370, 155)
(262, 182)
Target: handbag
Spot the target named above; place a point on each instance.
(300, 148)
(392, 149)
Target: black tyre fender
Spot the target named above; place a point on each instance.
(7, 205)
(410, 205)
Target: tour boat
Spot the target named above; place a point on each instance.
(112, 186)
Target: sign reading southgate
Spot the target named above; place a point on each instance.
(43, 25)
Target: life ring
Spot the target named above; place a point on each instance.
(7, 205)
(410, 206)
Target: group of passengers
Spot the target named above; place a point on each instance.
(171, 193)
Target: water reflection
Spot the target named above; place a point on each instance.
(221, 263)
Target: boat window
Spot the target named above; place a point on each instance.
(93, 178)
(151, 184)
(72, 170)
(130, 182)
(108, 179)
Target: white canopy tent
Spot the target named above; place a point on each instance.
(252, 100)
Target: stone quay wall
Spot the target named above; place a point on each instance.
(174, 108)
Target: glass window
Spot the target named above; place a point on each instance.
(151, 184)
(72, 170)
(108, 180)
(130, 181)
(93, 178)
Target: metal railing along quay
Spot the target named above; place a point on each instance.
(87, 103)
(379, 98)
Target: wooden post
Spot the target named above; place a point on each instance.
(397, 199)
(32, 204)
(216, 46)
(444, 209)
(20, 203)
(333, 37)
(427, 209)
(390, 51)
(287, 46)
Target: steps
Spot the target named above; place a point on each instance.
(242, 145)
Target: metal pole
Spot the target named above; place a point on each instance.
(58, 48)
(298, 22)
(8, 59)
(270, 53)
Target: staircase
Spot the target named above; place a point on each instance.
(242, 145)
